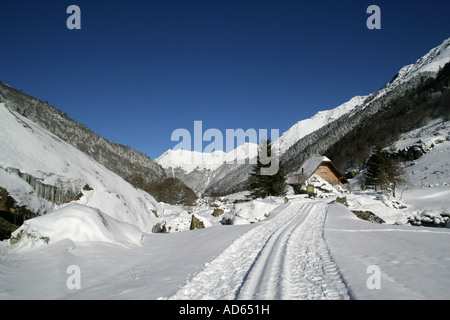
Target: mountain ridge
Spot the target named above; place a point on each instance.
(132, 165)
(302, 145)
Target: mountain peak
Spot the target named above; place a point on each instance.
(430, 63)
(320, 119)
(190, 161)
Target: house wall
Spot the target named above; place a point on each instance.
(326, 173)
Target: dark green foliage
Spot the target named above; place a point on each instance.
(374, 173)
(173, 191)
(384, 172)
(261, 185)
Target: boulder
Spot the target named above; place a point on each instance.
(368, 215)
(196, 223)
(342, 200)
(218, 212)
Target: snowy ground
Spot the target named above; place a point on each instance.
(413, 261)
(302, 249)
(285, 257)
(305, 249)
(110, 271)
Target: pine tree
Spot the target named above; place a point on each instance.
(384, 172)
(374, 172)
(263, 185)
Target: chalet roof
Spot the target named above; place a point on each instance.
(308, 167)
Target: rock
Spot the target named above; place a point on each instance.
(218, 212)
(21, 235)
(227, 221)
(160, 228)
(87, 187)
(240, 201)
(368, 215)
(12, 215)
(196, 223)
(155, 213)
(342, 200)
(56, 194)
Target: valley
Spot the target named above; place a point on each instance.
(72, 200)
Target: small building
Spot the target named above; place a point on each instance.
(320, 165)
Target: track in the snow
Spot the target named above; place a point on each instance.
(285, 258)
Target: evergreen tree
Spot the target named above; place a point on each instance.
(374, 172)
(263, 185)
(384, 172)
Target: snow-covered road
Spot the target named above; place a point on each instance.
(305, 249)
(284, 257)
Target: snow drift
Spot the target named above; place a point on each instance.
(77, 223)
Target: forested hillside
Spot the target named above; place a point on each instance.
(415, 108)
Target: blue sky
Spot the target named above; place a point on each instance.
(138, 70)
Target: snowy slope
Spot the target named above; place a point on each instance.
(53, 164)
(130, 164)
(427, 193)
(322, 118)
(429, 64)
(433, 168)
(424, 198)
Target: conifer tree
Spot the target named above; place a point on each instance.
(384, 172)
(263, 185)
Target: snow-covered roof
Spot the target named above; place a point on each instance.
(308, 168)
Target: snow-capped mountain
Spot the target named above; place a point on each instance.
(307, 137)
(428, 65)
(189, 165)
(410, 77)
(43, 173)
(322, 118)
(188, 161)
(197, 170)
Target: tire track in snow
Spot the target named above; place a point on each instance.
(263, 277)
(285, 257)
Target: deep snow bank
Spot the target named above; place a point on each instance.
(77, 223)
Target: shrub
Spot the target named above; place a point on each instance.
(173, 191)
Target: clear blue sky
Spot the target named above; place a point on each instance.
(140, 69)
